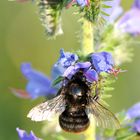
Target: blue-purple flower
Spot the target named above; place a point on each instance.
(90, 74)
(66, 59)
(130, 21)
(23, 135)
(136, 4)
(117, 10)
(38, 84)
(134, 114)
(70, 71)
(67, 66)
(136, 126)
(134, 111)
(102, 61)
(110, 8)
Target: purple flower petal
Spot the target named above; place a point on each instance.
(103, 61)
(70, 71)
(136, 126)
(112, 6)
(116, 12)
(99, 62)
(136, 4)
(24, 136)
(134, 111)
(37, 89)
(66, 59)
(57, 71)
(63, 67)
(116, 3)
(38, 84)
(108, 58)
(130, 21)
(91, 75)
(31, 74)
(82, 65)
(134, 114)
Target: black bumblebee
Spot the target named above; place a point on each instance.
(74, 102)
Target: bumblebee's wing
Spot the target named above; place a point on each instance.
(46, 110)
(103, 117)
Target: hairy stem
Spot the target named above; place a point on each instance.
(87, 48)
(90, 133)
(87, 37)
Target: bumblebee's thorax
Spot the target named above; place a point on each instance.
(76, 92)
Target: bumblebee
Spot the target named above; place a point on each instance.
(74, 102)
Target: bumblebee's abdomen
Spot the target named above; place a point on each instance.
(76, 121)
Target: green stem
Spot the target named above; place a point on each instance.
(87, 37)
(87, 48)
(90, 132)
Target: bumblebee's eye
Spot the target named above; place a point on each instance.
(76, 90)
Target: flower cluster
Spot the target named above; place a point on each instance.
(67, 65)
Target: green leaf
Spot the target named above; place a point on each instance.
(109, 132)
(124, 133)
(122, 116)
(127, 137)
(57, 80)
(60, 137)
(104, 96)
(108, 88)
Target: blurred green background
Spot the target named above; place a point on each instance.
(22, 39)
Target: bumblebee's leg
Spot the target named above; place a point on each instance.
(96, 97)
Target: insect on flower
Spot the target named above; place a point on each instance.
(74, 102)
